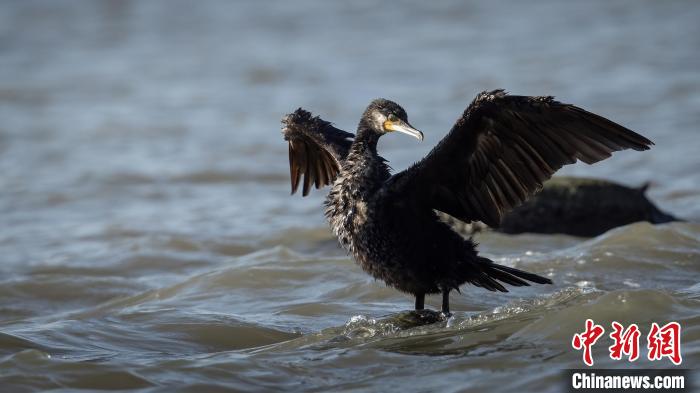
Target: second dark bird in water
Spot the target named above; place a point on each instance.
(575, 206)
(498, 153)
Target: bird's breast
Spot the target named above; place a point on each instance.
(351, 204)
(351, 210)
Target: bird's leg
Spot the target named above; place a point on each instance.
(446, 301)
(420, 301)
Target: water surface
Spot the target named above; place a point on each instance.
(148, 240)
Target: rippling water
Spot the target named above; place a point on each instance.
(148, 239)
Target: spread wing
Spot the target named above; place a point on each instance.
(501, 151)
(316, 149)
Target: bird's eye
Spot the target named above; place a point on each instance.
(392, 117)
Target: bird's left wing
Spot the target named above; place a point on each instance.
(502, 149)
(316, 149)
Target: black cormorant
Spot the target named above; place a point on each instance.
(575, 206)
(497, 154)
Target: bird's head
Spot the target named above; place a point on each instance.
(384, 116)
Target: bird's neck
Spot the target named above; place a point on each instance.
(366, 140)
(363, 165)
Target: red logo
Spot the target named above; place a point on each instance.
(662, 342)
(586, 340)
(665, 342)
(625, 343)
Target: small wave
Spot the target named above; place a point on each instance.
(195, 177)
(57, 374)
(10, 344)
(212, 177)
(399, 331)
(551, 318)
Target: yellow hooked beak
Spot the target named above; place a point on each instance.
(404, 127)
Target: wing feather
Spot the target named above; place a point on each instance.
(501, 151)
(294, 172)
(316, 150)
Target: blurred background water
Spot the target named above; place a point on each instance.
(148, 241)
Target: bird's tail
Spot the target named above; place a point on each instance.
(491, 273)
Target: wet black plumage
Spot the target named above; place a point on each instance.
(498, 153)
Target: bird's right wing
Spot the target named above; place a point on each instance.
(316, 149)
